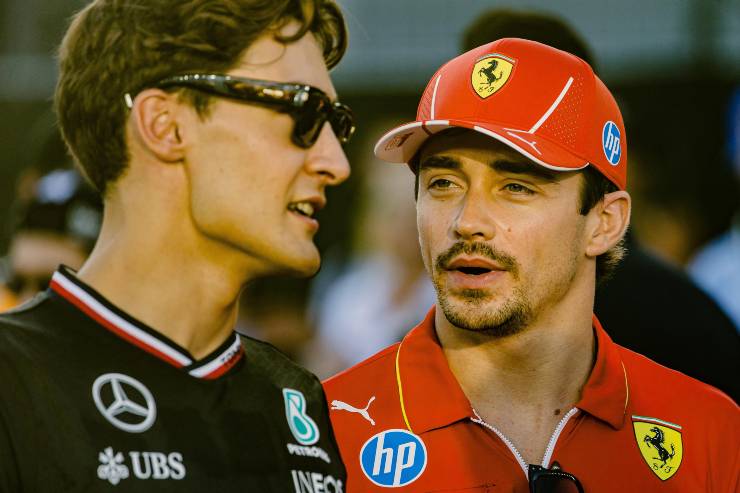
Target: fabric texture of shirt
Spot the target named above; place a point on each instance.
(402, 420)
(93, 400)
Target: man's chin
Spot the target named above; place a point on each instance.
(311, 270)
(477, 312)
(473, 300)
(307, 264)
(298, 263)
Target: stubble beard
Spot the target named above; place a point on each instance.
(467, 310)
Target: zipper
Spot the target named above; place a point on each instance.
(556, 435)
(508, 443)
(550, 445)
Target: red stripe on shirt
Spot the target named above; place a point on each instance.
(226, 366)
(110, 326)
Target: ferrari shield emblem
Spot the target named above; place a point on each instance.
(491, 73)
(660, 445)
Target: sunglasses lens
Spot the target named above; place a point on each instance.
(309, 120)
(342, 122)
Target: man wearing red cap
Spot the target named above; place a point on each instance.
(510, 383)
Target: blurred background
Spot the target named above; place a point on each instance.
(673, 65)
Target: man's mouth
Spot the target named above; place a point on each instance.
(477, 273)
(474, 266)
(305, 208)
(473, 271)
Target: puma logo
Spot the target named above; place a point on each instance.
(530, 143)
(343, 406)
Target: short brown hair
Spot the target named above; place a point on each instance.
(114, 47)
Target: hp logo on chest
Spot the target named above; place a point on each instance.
(393, 458)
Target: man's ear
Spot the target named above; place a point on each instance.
(608, 222)
(157, 119)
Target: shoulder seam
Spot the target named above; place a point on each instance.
(287, 360)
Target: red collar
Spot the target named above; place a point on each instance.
(426, 383)
(430, 395)
(606, 392)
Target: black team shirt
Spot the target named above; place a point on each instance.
(93, 400)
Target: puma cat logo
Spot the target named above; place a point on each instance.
(343, 406)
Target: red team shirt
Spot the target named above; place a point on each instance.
(402, 421)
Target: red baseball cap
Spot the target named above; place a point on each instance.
(543, 102)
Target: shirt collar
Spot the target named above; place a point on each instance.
(430, 395)
(432, 398)
(606, 393)
(65, 284)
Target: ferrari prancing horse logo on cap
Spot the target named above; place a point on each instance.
(491, 73)
(660, 445)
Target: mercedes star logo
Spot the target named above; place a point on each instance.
(125, 402)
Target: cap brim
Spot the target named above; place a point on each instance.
(402, 143)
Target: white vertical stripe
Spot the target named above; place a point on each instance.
(509, 443)
(554, 438)
(119, 322)
(550, 447)
(552, 108)
(434, 96)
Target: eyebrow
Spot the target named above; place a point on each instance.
(515, 167)
(525, 168)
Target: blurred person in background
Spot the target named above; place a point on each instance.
(647, 305)
(212, 130)
(55, 220)
(8, 299)
(510, 383)
(716, 267)
(383, 288)
(57, 226)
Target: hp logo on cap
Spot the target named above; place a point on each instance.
(393, 458)
(611, 141)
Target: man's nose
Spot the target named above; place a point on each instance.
(327, 159)
(474, 221)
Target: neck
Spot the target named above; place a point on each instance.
(155, 269)
(540, 370)
(525, 383)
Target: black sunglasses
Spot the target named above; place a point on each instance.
(309, 106)
(554, 480)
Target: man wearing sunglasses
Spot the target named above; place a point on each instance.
(212, 130)
(510, 383)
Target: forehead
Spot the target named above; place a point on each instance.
(299, 61)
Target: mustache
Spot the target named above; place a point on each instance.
(478, 249)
